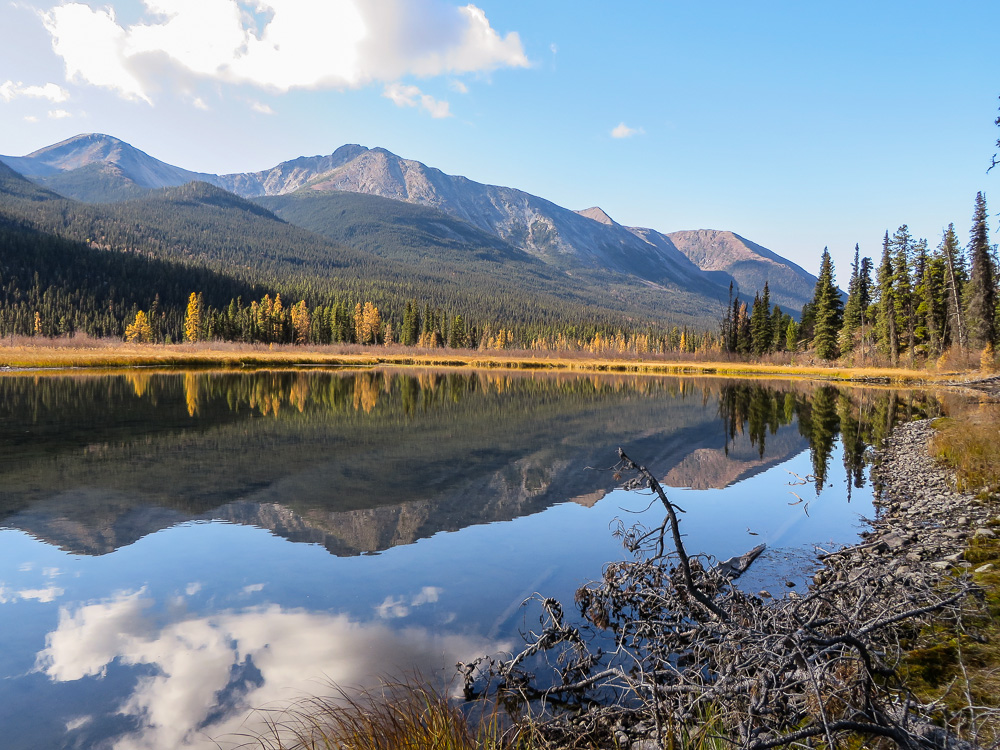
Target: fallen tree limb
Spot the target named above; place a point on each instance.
(667, 641)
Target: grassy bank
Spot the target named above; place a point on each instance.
(958, 663)
(81, 352)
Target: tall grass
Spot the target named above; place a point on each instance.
(25, 352)
(969, 442)
(397, 716)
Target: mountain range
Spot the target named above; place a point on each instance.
(434, 217)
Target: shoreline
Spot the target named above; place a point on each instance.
(922, 524)
(76, 355)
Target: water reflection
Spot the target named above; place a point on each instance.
(362, 461)
(153, 597)
(203, 674)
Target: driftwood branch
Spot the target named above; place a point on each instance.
(665, 642)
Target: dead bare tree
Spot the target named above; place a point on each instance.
(666, 642)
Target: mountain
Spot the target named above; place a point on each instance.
(562, 238)
(71, 166)
(749, 264)
(686, 273)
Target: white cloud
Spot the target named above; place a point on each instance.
(393, 607)
(199, 103)
(261, 108)
(458, 87)
(189, 686)
(9, 90)
(333, 44)
(46, 595)
(253, 588)
(410, 96)
(59, 114)
(192, 588)
(621, 130)
(30, 118)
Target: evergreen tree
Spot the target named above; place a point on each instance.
(760, 324)
(902, 245)
(456, 338)
(981, 289)
(955, 277)
(886, 334)
(828, 310)
(854, 309)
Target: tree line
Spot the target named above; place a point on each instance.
(917, 304)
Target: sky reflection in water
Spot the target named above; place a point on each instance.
(155, 626)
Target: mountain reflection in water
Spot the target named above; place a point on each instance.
(149, 593)
(362, 461)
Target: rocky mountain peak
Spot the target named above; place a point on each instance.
(597, 214)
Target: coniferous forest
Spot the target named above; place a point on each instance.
(197, 263)
(914, 307)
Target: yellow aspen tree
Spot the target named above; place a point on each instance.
(139, 329)
(277, 320)
(300, 322)
(38, 323)
(371, 324)
(192, 320)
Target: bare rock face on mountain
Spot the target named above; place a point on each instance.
(749, 264)
(564, 238)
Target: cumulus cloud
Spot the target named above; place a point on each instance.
(410, 96)
(277, 44)
(621, 130)
(458, 87)
(58, 114)
(201, 675)
(10, 90)
(261, 108)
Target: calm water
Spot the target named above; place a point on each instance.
(177, 549)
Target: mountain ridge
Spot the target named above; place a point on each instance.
(693, 269)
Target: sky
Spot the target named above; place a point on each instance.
(798, 125)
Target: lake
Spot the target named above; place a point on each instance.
(179, 548)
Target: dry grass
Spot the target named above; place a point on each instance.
(398, 715)
(84, 352)
(968, 442)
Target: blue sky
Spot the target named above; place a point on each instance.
(797, 125)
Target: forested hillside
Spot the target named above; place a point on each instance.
(237, 257)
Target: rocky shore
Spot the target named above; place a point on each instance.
(923, 525)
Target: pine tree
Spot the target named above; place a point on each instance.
(760, 333)
(981, 289)
(829, 308)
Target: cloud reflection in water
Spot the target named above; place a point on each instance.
(204, 674)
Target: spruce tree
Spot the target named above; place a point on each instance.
(886, 334)
(981, 289)
(828, 310)
(902, 244)
(760, 324)
(955, 277)
(853, 310)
